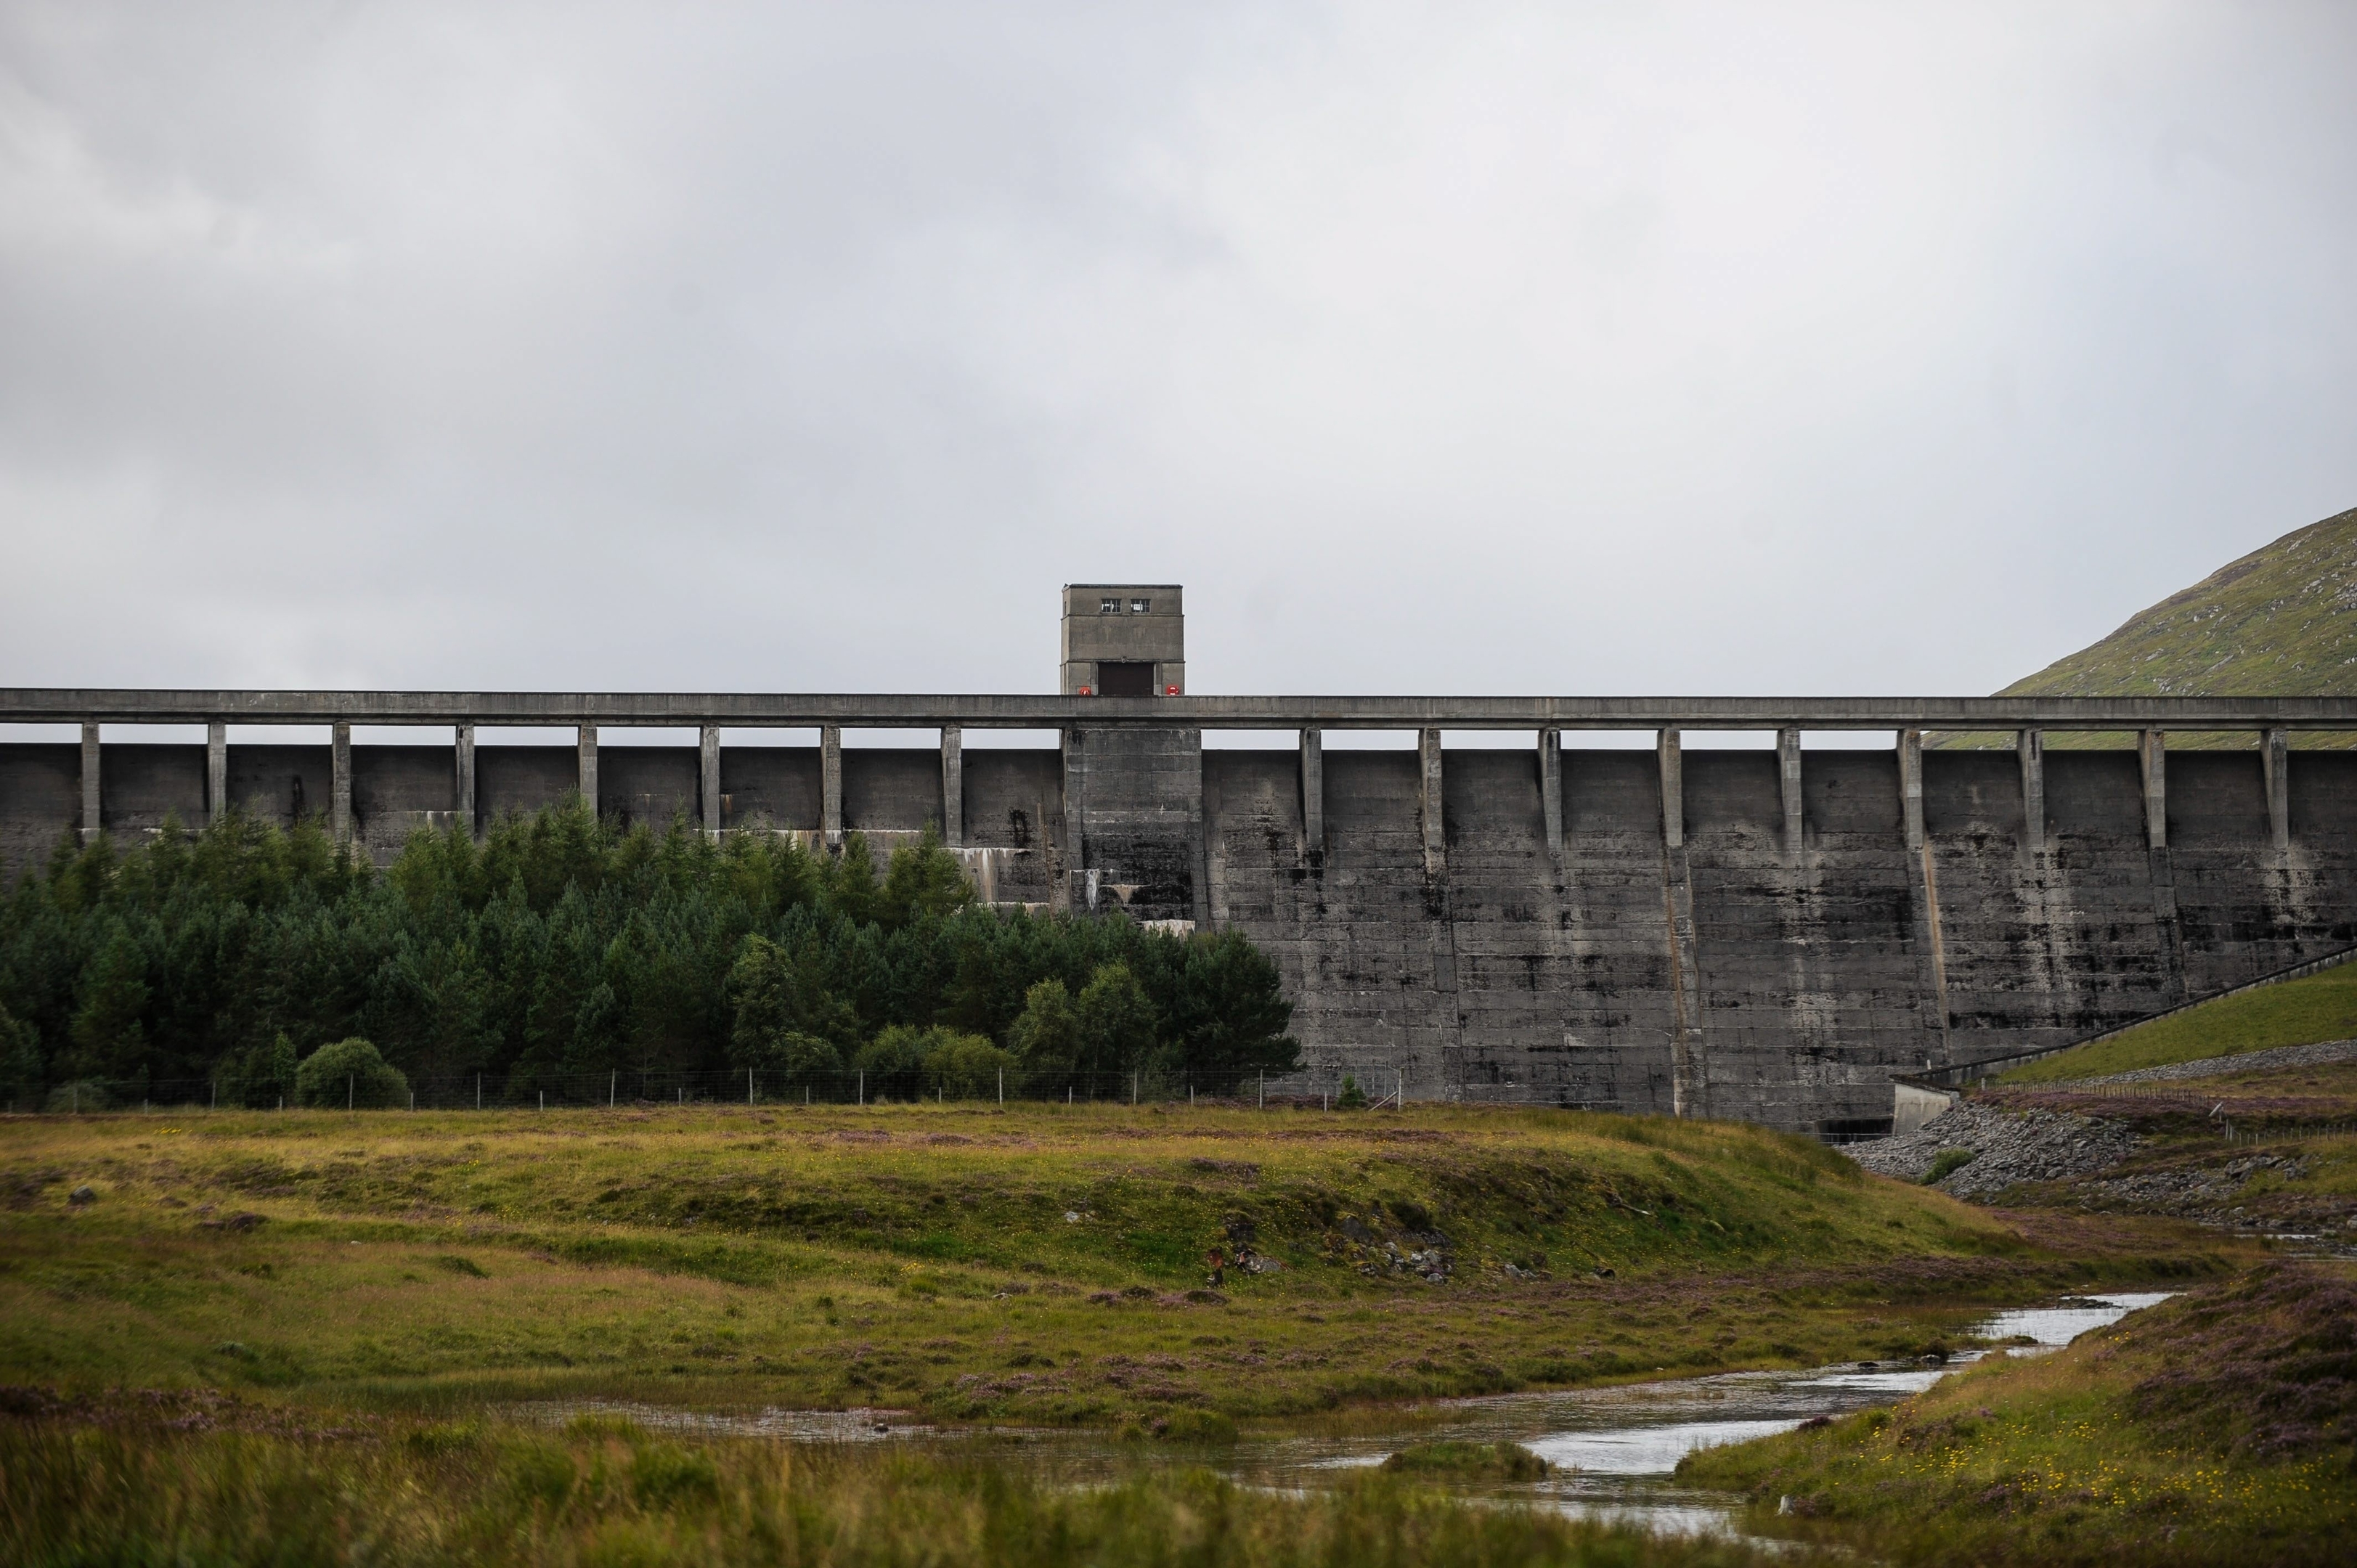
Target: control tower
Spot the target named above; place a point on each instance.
(1123, 639)
(1133, 798)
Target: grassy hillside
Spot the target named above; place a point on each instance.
(2213, 1429)
(1037, 1263)
(2296, 1012)
(2279, 622)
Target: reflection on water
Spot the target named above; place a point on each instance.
(1613, 1448)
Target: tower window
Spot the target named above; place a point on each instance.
(1139, 606)
(1108, 606)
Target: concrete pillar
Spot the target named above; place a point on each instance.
(953, 787)
(1313, 792)
(1910, 785)
(830, 784)
(1788, 777)
(462, 792)
(216, 771)
(1430, 804)
(586, 736)
(2152, 755)
(708, 777)
(2275, 752)
(1689, 1075)
(2031, 744)
(1923, 882)
(91, 820)
(1551, 787)
(340, 783)
(1674, 790)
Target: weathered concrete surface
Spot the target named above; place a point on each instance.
(32, 704)
(1494, 949)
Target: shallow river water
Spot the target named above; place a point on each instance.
(1613, 1448)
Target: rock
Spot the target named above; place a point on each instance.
(2008, 1147)
(82, 1195)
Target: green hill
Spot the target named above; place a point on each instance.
(2281, 621)
(2301, 1012)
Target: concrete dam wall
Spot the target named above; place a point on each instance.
(1765, 934)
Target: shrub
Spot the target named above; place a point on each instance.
(1352, 1097)
(1046, 1037)
(893, 1062)
(83, 1096)
(796, 1058)
(1945, 1164)
(20, 1056)
(349, 1072)
(967, 1066)
(1118, 1025)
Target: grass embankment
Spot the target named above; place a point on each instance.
(2321, 1007)
(130, 1490)
(1035, 1263)
(2215, 1428)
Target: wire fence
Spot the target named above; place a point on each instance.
(2289, 1134)
(1324, 1087)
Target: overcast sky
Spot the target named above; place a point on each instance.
(1570, 349)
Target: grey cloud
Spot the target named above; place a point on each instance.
(1488, 348)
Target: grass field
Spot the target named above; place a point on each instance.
(2213, 1429)
(124, 1486)
(1035, 1264)
(2321, 1007)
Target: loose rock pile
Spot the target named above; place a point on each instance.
(2008, 1147)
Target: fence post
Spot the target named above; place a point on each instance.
(544, 1100)
(348, 1090)
(479, 1092)
(1264, 1091)
(1133, 1089)
(748, 1086)
(863, 1086)
(1002, 1088)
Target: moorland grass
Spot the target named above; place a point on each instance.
(2216, 1428)
(1037, 1263)
(2321, 1007)
(1469, 1461)
(111, 1484)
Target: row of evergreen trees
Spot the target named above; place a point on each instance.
(562, 947)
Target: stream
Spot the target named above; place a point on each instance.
(1613, 1448)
